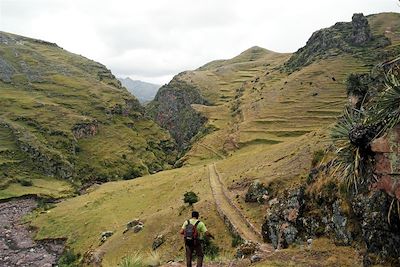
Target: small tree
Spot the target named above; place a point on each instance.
(190, 198)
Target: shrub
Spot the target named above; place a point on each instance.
(134, 172)
(236, 241)
(357, 84)
(386, 111)
(210, 249)
(25, 182)
(68, 259)
(190, 198)
(153, 259)
(317, 157)
(132, 261)
(351, 160)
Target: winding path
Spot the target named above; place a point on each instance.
(229, 211)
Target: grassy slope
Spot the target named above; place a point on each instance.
(46, 92)
(156, 200)
(276, 106)
(272, 139)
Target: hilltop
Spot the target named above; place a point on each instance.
(64, 117)
(143, 91)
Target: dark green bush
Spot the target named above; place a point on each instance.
(190, 198)
(68, 259)
(25, 182)
(210, 249)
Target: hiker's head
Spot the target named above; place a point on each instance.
(195, 214)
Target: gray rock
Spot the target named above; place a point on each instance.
(106, 234)
(255, 258)
(257, 192)
(158, 241)
(138, 228)
(343, 236)
(6, 71)
(136, 225)
(361, 33)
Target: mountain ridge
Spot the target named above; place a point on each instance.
(266, 131)
(144, 91)
(60, 111)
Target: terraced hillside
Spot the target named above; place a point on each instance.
(259, 97)
(65, 116)
(266, 121)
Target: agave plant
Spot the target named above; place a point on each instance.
(350, 161)
(386, 110)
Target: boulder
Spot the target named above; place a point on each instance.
(136, 225)
(248, 248)
(138, 228)
(257, 192)
(106, 234)
(158, 241)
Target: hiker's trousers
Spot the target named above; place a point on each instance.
(198, 248)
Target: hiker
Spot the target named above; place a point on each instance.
(194, 232)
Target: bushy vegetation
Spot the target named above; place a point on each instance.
(152, 260)
(25, 182)
(69, 259)
(211, 250)
(355, 130)
(190, 198)
(132, 261)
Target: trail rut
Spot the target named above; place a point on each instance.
(229, 211)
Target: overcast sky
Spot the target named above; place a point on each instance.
(152, 40)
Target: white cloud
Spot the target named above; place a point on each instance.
(155, 39)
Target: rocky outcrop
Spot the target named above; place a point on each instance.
(343, 37)
(367, 218)
(172, 110)
(85, 129)
(387, 163)
(280, 227)
(6, 71)
(380, 227)
(257, 192)
(361, 32)
(45, 159)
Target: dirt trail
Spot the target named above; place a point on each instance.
(228, 210)
(17, 247)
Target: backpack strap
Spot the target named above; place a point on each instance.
(188, 222)
(196, 223)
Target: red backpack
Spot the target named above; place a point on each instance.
(191, 234)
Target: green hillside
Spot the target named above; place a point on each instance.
(66, 117)
(260, 116)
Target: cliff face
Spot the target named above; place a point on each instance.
(172, 110)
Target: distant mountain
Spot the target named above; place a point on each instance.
(143, 91)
